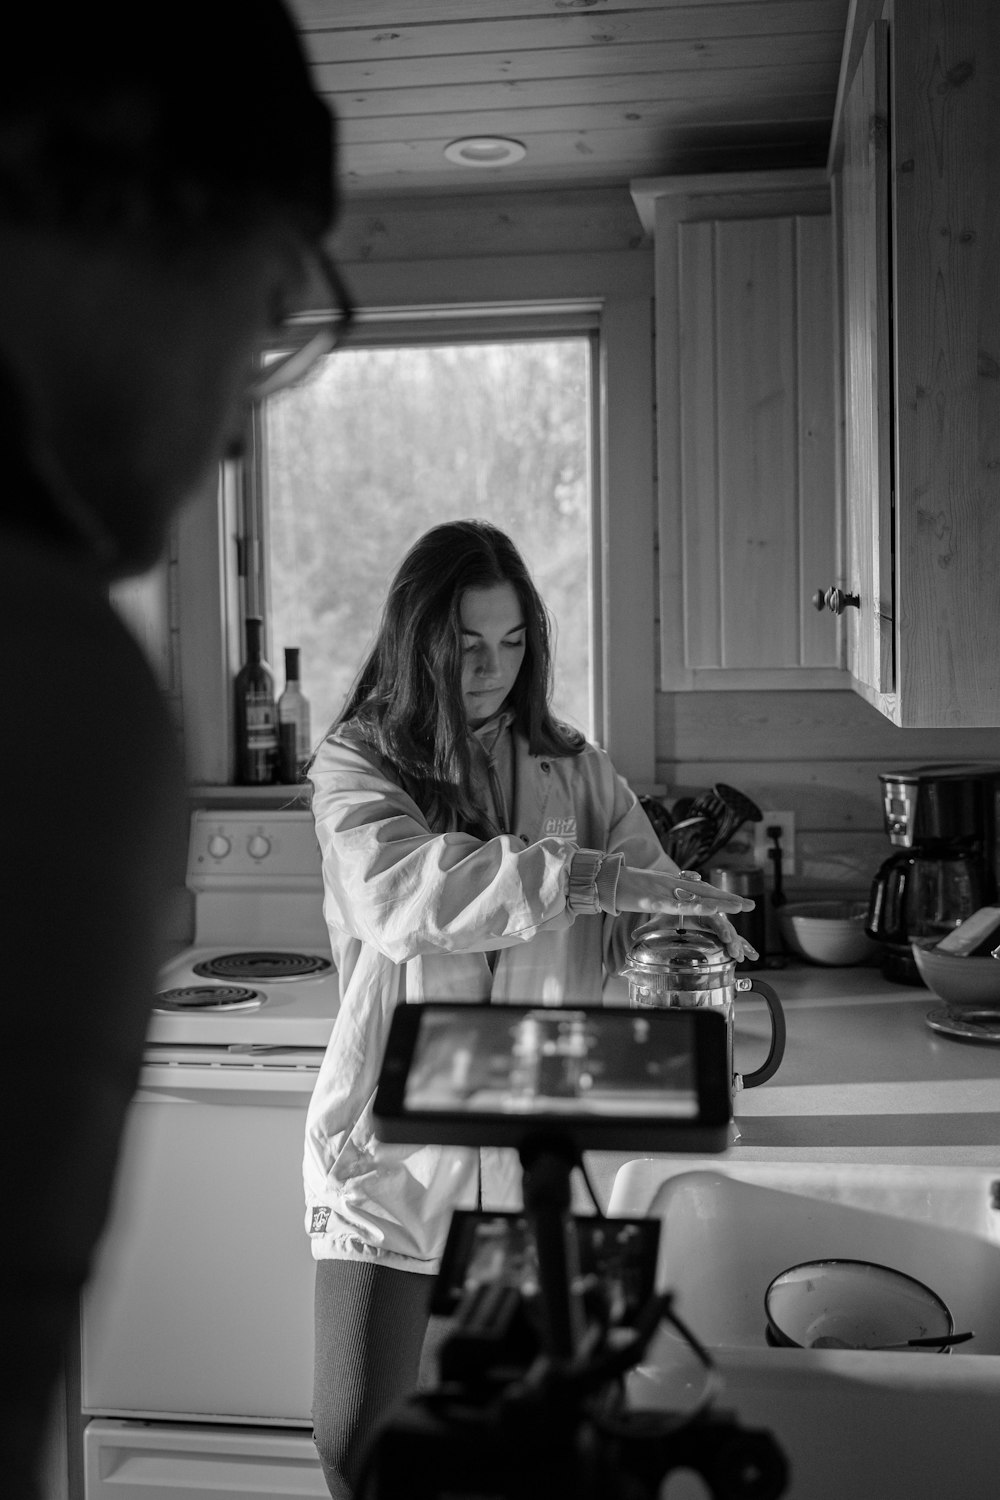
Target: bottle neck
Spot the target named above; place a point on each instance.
(254, 632)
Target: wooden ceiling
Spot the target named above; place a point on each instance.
(598, 91)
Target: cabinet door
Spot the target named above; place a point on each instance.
(746, 428)
(867, 404)
(946, 331)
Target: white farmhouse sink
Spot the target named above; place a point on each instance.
(852, 1424)
(729, 1229)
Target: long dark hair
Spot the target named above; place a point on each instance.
(407, 699)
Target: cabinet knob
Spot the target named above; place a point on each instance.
(835, 600)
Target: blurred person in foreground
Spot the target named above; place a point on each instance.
(163, 199)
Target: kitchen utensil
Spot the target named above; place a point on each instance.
(829, 932)
(659, 815)
(670, 965)
(685, 839)
(827, 1341)
(860, 1302)
(740, 809)
(726, 810)
(696, 828)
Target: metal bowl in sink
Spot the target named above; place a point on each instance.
(854, 1304)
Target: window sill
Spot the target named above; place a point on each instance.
(298, 794)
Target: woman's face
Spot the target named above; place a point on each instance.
(493, 636)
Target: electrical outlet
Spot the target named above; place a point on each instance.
(762, 842)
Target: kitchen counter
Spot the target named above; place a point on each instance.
(863, 1079)
(864, 1076)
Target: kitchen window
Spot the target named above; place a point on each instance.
(604, 299)
(403, 428)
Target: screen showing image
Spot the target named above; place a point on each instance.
(554, 1061)
(498, 1249)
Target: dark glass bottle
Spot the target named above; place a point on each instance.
(293, 722)
(256, 718)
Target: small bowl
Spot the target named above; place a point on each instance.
(864, 1304)
(827, 932)
(957, 978)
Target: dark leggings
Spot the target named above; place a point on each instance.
(370, 1327)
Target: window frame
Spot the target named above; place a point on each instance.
(614, 290)
(437, 326)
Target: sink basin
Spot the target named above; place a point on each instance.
(728, 1230)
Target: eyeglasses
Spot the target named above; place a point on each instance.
(288, 369)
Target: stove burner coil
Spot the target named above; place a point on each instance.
(263, 967)
(209, 997)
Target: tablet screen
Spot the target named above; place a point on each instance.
(487, 1074)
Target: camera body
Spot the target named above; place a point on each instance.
(550, 1311)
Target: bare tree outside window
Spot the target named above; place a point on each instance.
(385, 442)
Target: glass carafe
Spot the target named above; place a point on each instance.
(923, 892)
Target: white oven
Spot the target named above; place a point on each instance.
(197, 1339)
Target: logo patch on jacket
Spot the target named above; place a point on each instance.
(560, 828)
(320, 1219)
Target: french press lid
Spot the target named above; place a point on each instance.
(679, 951)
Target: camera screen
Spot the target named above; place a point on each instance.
(607, 1079)
(498, 1249)
(552, 1062)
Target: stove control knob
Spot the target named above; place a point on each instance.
(258, 847)
(219, 846)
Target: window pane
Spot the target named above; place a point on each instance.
(383, 443)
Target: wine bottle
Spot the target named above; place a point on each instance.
(294, 735)
(256, 718)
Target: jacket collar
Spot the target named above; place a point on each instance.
(487, 734)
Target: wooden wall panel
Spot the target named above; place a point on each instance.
(815, 754)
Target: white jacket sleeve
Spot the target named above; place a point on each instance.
(631, 838)
(392, 882)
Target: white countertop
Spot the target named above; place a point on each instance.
(863, 1079)
(863, 1072)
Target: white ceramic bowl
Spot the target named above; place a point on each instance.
(827, 932)
(863, 1304)
(957, 978)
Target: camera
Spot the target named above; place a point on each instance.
(550, 1311)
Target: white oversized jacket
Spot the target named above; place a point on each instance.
(412, 915)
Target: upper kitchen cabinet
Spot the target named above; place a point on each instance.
(916, 177)
(746, 429)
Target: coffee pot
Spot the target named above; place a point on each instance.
(675, 966)
(944, 822)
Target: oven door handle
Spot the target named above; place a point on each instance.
(199, 1084)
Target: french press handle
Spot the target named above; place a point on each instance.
(772, 1061)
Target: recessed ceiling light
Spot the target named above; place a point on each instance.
(484, 151)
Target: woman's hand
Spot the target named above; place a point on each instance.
(684, 894)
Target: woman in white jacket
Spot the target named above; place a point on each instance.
(473, 849)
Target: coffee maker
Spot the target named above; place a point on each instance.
(945, 823)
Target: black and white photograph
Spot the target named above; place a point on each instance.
(501, 517)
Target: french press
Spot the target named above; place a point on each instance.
(669, 965)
